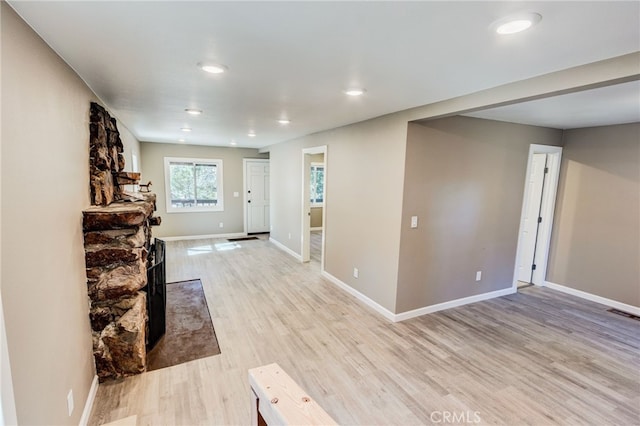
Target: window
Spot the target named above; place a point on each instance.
(317, 184)
(193, 185)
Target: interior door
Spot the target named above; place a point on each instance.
(257, 196)
(532, 213)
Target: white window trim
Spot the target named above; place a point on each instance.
(314, 204)
(167, 185)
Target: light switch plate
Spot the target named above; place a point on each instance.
(414, 221)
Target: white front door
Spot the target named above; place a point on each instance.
(257, 195)
(535, 182)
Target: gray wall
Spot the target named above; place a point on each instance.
(464, 179)
(364, 166)
(201, 223)
(45, 187)
(595, 245)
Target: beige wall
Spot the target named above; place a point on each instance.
(362, 206)
(595, 246)
(316, 217)
(202, 223)
(464, 179)
(45, 187)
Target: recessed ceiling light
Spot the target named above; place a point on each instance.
(193, 111)
(233, 143)
(251, 134)
(284, 121)
(516, 23)
(186, 129)
(213, 68)
(354, 92)
(182, 140)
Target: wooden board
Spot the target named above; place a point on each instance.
(281, 401)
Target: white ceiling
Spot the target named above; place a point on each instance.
(597, 107)
(293, 59)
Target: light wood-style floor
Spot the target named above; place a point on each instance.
(315, 249)
(536, 357)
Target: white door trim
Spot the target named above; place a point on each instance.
(305, 239)
(8, 415)
(554, 157)
(244, 189)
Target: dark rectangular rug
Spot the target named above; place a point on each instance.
(190, 334)
(242, 239)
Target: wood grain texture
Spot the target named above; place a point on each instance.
(535, 357)
(281, 401)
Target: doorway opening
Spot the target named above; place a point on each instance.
(314, 203)
(536, 221)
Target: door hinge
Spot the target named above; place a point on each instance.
(546, 170)
(533, 267)
(539, 220)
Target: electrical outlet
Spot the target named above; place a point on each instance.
(289, 235)
(221, 225)
(70, 402)
(478, 275)
(355, 272)
(236, 194)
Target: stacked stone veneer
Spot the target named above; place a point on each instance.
(117, 237)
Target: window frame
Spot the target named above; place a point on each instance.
(219, 207)
(315, 165)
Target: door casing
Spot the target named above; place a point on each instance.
(245, 187)
(306, 203)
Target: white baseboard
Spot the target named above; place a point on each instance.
(416, 312)
(285, 249)
(316, 228)
(635, 310)
(202, 237)
(454, 303)
(88, 405)
(361, 297)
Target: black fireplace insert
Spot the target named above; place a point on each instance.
(156, 293)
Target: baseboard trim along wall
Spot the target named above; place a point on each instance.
(286, 249)
(361, 297)
(454, 303)
(202, 237)
(404, 315)
(88, 405)
(635, 310)
(416, 312)
(317, 228)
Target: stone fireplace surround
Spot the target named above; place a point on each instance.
(117, 240)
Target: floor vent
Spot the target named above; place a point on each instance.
(624, 314)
